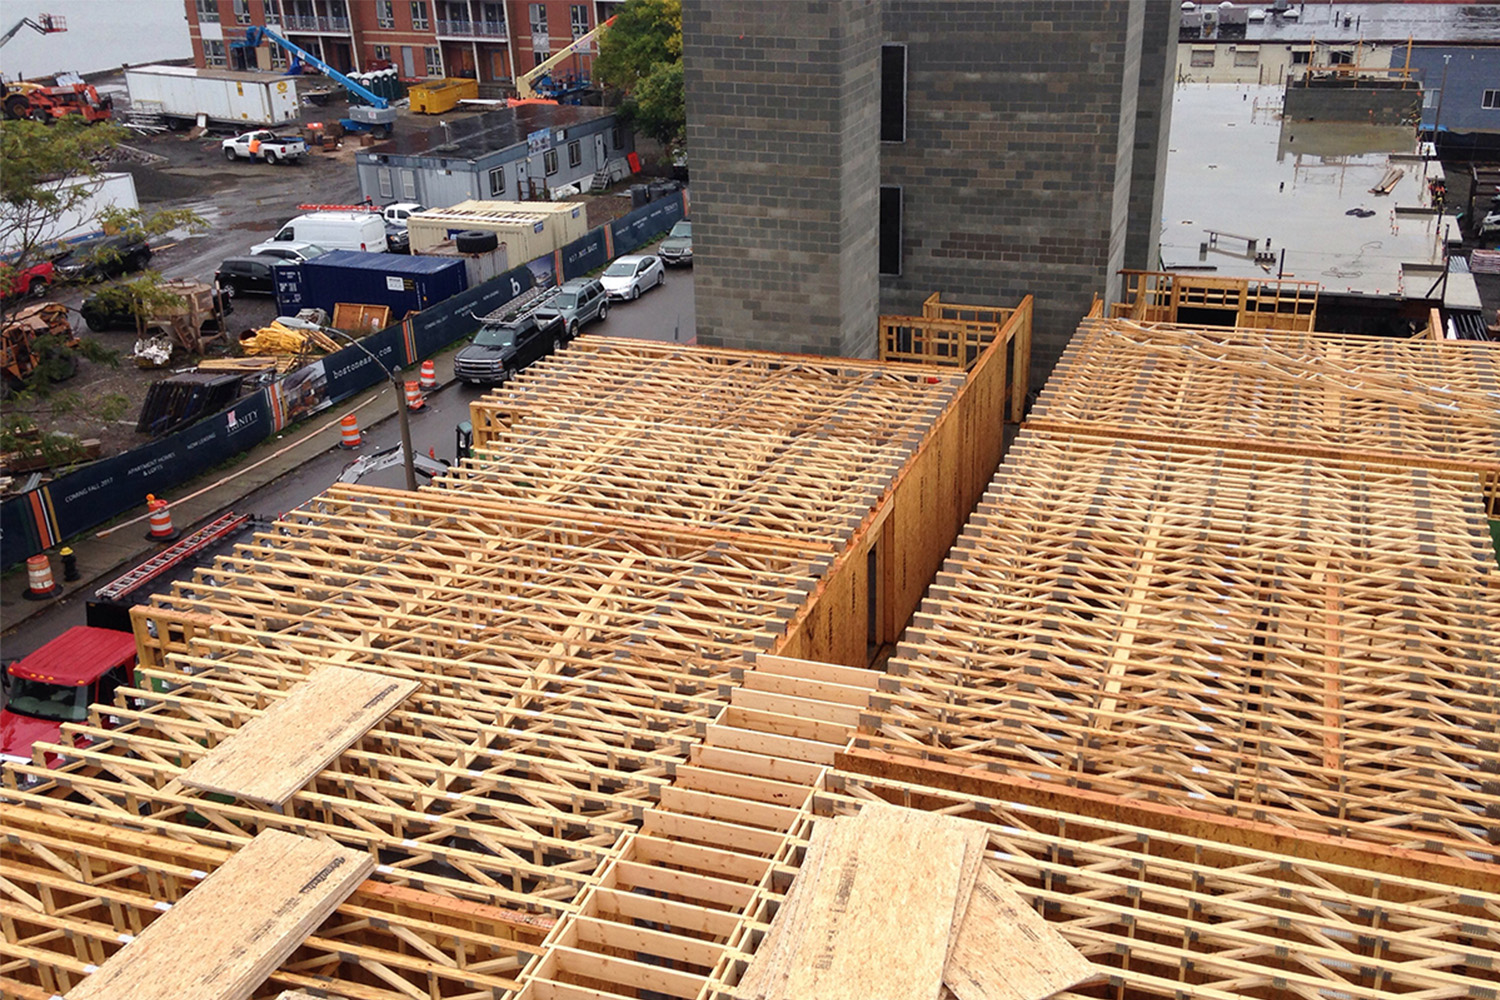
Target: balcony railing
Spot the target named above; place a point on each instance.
(471, 29)
(296, 22)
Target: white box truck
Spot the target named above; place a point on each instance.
(184, 94)
(79, 219)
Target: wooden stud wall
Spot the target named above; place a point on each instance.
(1304, 642)
(1267, 303)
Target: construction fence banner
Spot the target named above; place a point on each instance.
(117, 485)
(102, 490)
(641, 226)
(585, 254)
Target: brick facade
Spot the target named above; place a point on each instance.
(490, 40)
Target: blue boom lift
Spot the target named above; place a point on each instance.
(376, 115)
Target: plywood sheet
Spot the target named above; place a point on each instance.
(1004, 950)
(279, 752)
(875, 909)
(224, 937)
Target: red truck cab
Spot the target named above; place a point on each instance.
(58, 683)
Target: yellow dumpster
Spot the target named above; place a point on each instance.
(436, 96)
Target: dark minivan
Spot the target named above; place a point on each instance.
(509, 340)
(247, 275)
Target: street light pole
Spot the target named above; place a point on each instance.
(406, 453)
(1437, 118)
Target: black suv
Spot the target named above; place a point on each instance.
(509, 340)
(102, 257)
(247, 275)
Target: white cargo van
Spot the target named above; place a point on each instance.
(336, 231)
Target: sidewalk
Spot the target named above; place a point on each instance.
(100, 560)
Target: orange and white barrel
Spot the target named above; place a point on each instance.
(160, 519)
(414, 400)
(349, 432)
(39, 582)
(429, 376)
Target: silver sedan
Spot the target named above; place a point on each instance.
(631, 275)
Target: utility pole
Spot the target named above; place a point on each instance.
(400, 391)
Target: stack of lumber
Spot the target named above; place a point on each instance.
(249, 366)
(278, 338)
(896, 903)
(179, 400)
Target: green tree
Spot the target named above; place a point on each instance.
(641, 54)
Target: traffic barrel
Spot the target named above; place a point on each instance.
(39, 582)
(160, 520)
(429, 376)
(349, 432)
(414, 400)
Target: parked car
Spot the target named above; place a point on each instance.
(397, 239)
(268, 146)
(251, 275)
(111, 308)
(102, 257)
(677, 248)
(575, 303)
(631, 275)
(295, 250)
(31, 282)
(508, 342)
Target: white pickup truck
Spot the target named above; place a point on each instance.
(265, 145)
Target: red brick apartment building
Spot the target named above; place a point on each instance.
(490, 40)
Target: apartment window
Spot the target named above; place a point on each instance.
(1491, 100)
(1202, 57)
(383, 52)
(575, 154)
(549, 160)
(890, 229)
(538, 19)
(434, 60)
(497, 182)
(578, 17)
(385, 13)
(213, 52)
(893, 93)
(208, 10)
(1340, 58)
(419, 20)
(278, 57)
(383, 176)
(540, 56)
(241, 11)
(1301, 57)
(1247, 56)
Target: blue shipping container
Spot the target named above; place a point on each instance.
(405, 283)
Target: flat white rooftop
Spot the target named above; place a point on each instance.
(1235, 172)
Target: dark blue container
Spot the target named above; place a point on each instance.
(405, 283)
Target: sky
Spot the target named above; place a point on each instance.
(102, 34)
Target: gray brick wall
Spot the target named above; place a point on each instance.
(1153, 122)
(783, 112)
(1021, 119)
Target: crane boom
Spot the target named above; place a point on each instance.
(45, 24)
(523, 82)
(379, 113)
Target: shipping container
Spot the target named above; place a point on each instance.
(480, 267)
(406, 284)
(226, 96)
(527, 229)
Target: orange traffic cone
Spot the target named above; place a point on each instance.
(349, 432)
(429, 376)
(161, 520)
(414, 400)
(39, 582)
